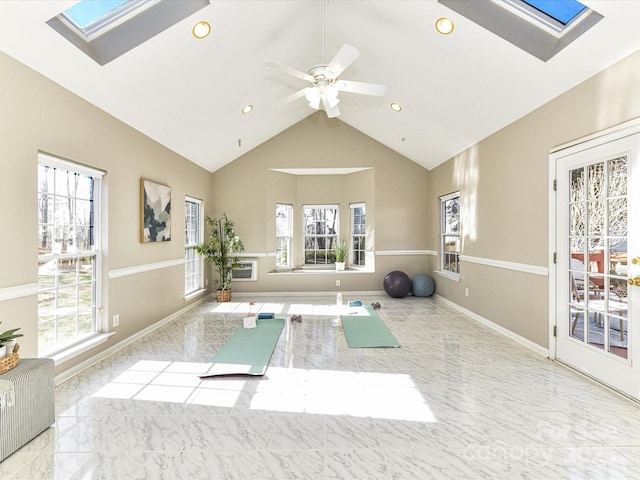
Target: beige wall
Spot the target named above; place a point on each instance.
(38, 115)
(504, 185)
(503, 179)
(394, 188)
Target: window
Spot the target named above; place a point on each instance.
(562, 12)
(320, 234)
(540, 27)
(193, 232)
(68, 253)
(450, 233)
(106, 29)
(358, 231)
(284, 230)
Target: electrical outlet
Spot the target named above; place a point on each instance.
(116, 320)
(466, 292)
(337, 283)
(206, 282)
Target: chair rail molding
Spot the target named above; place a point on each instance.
(18, 291)
(518, 267)
(405, 252)
(148, 267)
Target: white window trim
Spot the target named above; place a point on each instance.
(441, 270)
(304, 235)
(352, 207)
(200, 289)
(290, 255)
(101, 323)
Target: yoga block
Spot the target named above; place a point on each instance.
(265, 315)
(249, 322)
(33, 409)
(355, 303)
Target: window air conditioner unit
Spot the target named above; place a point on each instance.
(247, 272)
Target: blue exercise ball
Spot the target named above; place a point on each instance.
(422, 286)
(397, 284)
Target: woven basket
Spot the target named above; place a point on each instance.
(10, 361)
(223, 295)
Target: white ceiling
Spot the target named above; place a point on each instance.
(187, 94)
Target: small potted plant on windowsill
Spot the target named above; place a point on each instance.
(341, 250)
(221, 249)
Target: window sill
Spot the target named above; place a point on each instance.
(192, 295)
(81, 348)
(451, 276)
(320, 271)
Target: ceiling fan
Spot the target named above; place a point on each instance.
(325, 85)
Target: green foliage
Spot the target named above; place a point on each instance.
(9, 335)
(342, 250)
(221, 248)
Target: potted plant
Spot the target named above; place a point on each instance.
(8, 340)
(341, 250)
(221, 249)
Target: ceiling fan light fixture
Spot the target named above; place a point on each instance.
(331, 91)
(201, 30)
(313, 96)
(444, 25)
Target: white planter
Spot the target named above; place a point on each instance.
(340, 266)
(3, 351)
(9, 344)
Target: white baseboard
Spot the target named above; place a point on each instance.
(494, 326)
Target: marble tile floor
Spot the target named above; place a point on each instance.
(456, 401)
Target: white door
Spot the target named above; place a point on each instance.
(597, 237)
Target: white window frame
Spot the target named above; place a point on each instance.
(194, 236)
(447, 269)
(328, 237)
(70, 257)
(284, 236)
(353, 251)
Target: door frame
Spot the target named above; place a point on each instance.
(605, 136)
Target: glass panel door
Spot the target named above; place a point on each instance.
(595, 224)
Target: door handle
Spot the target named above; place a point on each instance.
(635, 281)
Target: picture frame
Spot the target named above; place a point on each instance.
(155, 212)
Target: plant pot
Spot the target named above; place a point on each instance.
(340, 266)
(223, 295)
(9, 344)
(3, 351)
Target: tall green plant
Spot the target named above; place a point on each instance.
(222, 247)
(342, 250)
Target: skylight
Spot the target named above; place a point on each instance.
(540, 27)
(88, 11)
(106, 29)
(562, 11)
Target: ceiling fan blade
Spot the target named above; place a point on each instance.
(361, 87)
(345, 57)
(291, 98)
(290, 71)
(332, 111)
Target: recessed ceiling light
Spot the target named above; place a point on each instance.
(444, 25)
(247, 108)
(396, 107)
(201, 29)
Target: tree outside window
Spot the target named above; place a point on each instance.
(320, 234)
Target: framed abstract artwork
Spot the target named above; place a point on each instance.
(155, 212)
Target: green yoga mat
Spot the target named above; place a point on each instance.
(248, 351)
(366, 330)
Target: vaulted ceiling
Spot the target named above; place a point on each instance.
(187, 94)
